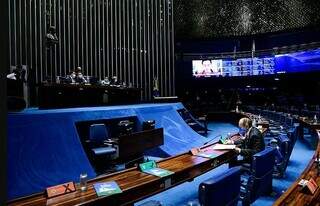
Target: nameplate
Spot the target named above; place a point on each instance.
(60, 189)
(310, 185)
(195, 151)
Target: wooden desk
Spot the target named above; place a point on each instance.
(135, 184)
(81, 95)
(293, 196)
(309, 123)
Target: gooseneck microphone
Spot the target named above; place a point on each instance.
(212, 139)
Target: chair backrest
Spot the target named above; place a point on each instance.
(284, 144)
(222, 189)
(260, 181)
(263, 162)
(98, 132)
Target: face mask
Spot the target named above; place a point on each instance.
(242, 131)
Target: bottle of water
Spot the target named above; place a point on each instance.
(315, 119)
(237, 109)
(83, 181)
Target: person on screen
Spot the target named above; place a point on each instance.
(250, 143)
(206, 67)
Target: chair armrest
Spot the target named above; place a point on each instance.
(111, 141)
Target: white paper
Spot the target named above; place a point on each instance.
(224, 147)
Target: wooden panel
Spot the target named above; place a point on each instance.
(135, 184)
(136, 143)
(123, 38)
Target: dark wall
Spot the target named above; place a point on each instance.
(3, 103)
(244, 43)
(130, 39)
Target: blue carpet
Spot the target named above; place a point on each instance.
(187, 194)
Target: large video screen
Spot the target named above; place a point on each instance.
(278, 64)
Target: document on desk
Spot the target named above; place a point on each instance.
(107, 188)
(206, 152)
(224, 147)
(158, 172)
(151, 168)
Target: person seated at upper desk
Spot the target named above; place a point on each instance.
(77, 77)
(250, 143)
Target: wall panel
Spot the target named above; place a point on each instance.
(130, 39)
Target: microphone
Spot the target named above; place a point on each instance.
(212, 139)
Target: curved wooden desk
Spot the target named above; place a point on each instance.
(293, 196)
(135, 184)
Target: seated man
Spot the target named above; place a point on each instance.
(251, 143)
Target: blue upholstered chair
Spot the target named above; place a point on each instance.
(98, 140)
(221, 190)
(283, 148)
(258, 181)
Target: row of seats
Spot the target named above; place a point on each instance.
(229, 187)
(282, 135)
(257, 180)
(233, 185)
(306, 112)
(247, 186)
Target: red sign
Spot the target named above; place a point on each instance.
(60, 189)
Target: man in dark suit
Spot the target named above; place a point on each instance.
(249, 144)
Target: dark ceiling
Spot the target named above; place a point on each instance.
(210, 19)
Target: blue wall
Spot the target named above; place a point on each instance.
(44, 148)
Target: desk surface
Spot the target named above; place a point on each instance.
(135, 184)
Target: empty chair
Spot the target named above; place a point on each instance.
(99, 141)
(222, 189)
(283, 148)
(258, 181)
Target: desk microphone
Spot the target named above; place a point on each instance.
(212, 139)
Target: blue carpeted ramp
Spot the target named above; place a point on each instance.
(178, 136)
(44, 148)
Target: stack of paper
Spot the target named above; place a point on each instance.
(206, 152)
(223, 147)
